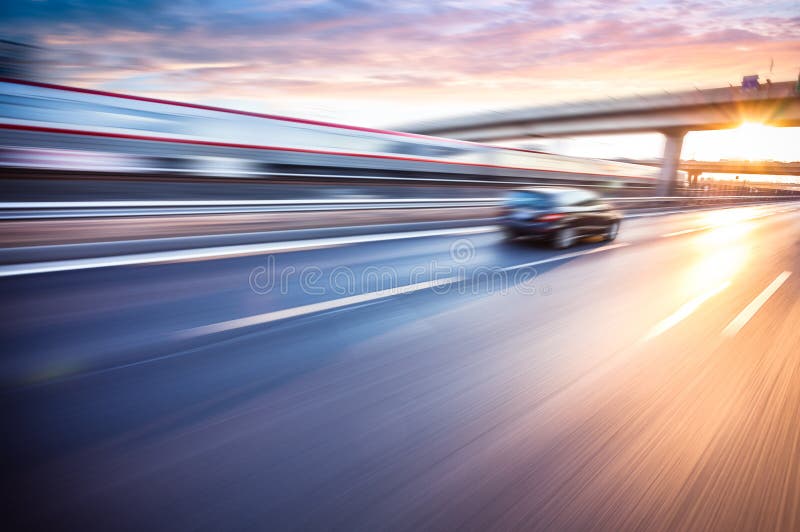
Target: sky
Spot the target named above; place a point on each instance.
(381, 63)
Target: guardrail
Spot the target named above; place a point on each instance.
(93, 209)
(119, 209)
(627, 204)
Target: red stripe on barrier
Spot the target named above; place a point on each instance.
(231, 111)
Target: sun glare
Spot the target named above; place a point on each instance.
(752, 128)
(751, 141)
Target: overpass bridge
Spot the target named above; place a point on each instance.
(673, 114)
(696, 168)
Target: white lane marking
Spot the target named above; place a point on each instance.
(360, 299)
(687, 231)
(565, 256)
(662, 213)
(160, 257)
(313, 308)
(750, 310)
(683, 312)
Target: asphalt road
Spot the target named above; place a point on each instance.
(653, 383)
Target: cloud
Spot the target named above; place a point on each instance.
(411, 56)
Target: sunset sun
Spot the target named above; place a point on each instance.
(750, 141)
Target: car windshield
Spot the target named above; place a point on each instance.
(530, 199)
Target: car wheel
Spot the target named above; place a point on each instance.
(612, 231)
(564, 237)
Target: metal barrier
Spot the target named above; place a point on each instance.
(118, 209)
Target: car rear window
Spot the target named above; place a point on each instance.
(576, 197)
(534, 200)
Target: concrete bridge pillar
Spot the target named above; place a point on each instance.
(668, 179)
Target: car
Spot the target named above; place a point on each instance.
(559, 215)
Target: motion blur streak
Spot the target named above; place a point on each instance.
(51, 127)
(530, 404)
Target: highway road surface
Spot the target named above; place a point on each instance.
(439, 381)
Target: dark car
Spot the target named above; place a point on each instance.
(562, 216)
